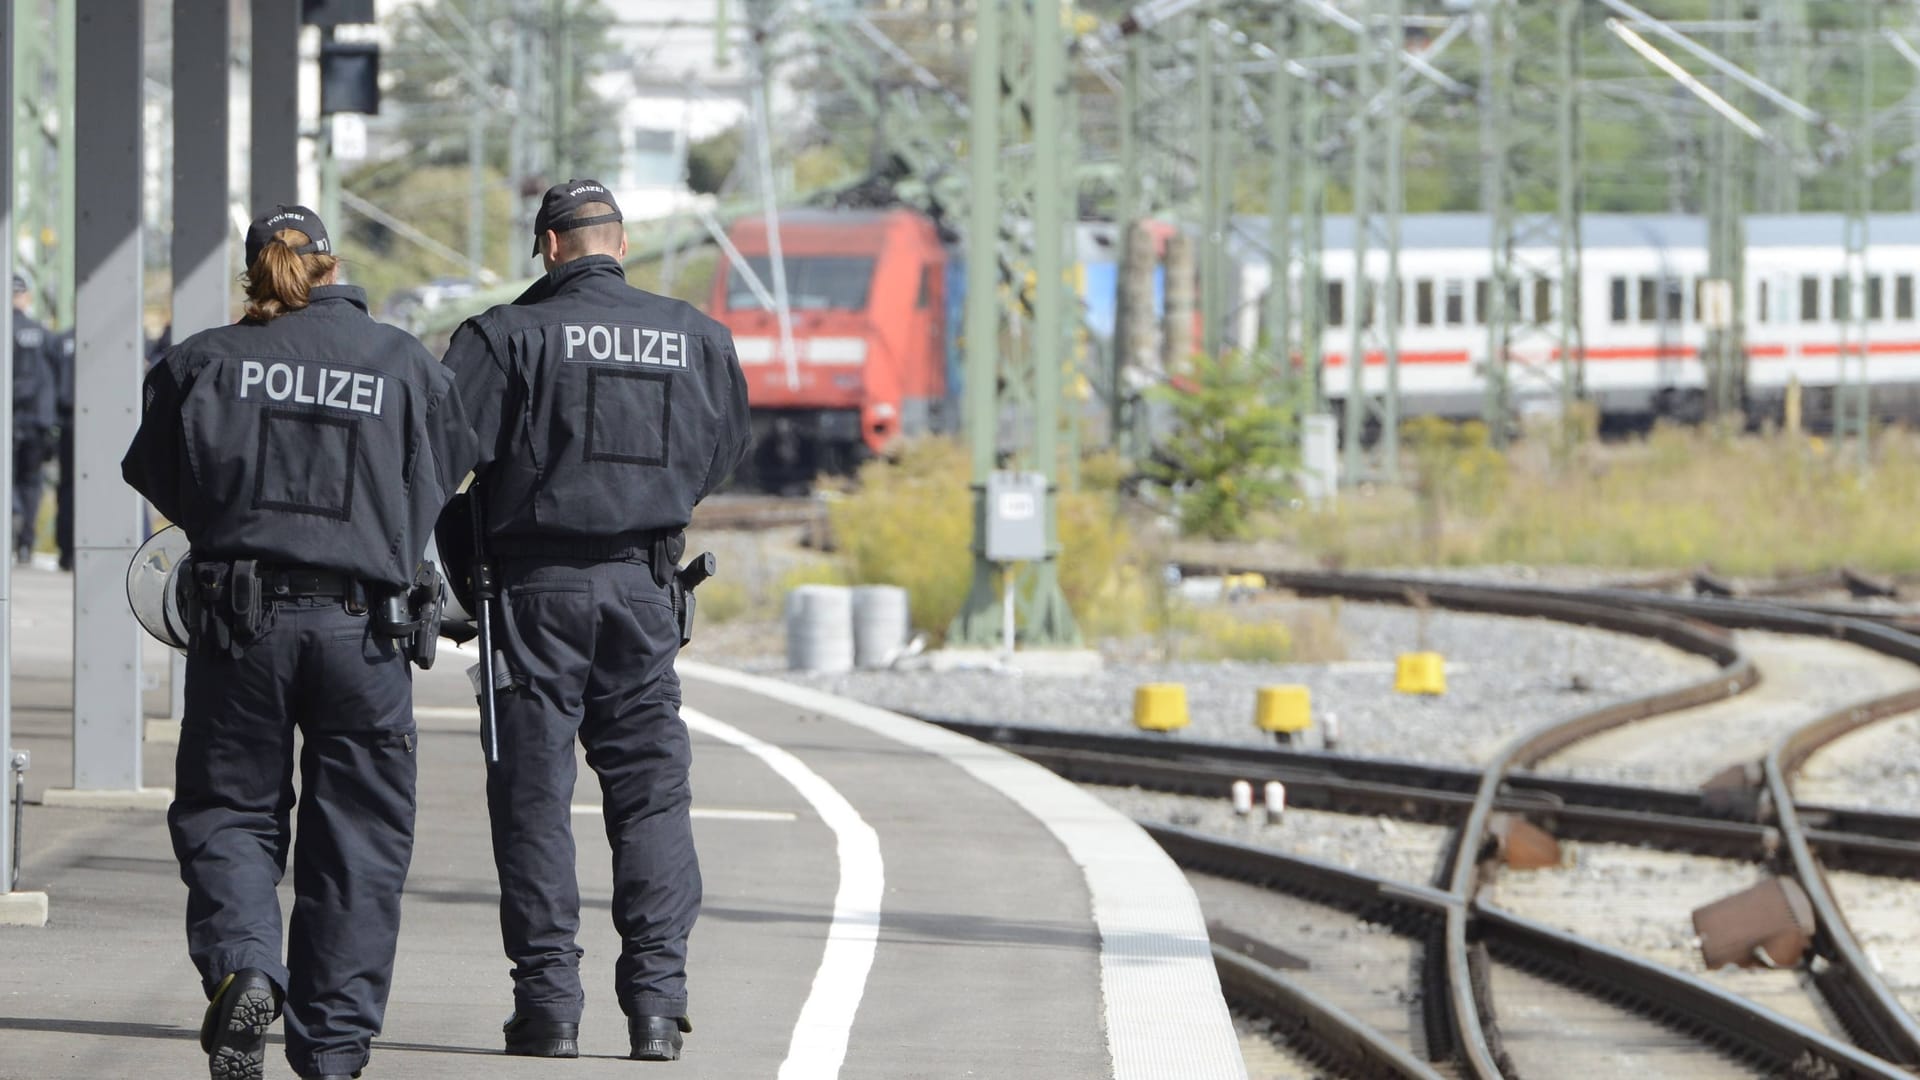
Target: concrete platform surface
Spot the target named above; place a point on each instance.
(883, 899)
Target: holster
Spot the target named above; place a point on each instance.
(411, 617)
(228, 611)
(680, 590)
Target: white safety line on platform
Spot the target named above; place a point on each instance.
(710, 813)
(819, 1044)
(1156, 964)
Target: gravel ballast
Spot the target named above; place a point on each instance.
(1504, 676)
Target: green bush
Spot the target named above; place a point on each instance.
(909, 522)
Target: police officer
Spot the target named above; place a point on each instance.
(305, 451)
(63, 354)
(34, 380)
(604, 414)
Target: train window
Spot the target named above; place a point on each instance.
(1617, 299)
(1482, 312)
(1903, 297)
(1672, 298)
(1456, 305)
(1423, 302)
(1336, 303)
(1542, 300)
(814, 282)
(1649, 300)
(1876, 309)
(1809, 299)
(1842, 310)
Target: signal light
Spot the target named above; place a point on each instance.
(349, 77)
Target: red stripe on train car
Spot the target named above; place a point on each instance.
(1379, 359)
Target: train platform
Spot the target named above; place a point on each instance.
(883, 899)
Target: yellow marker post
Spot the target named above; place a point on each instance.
(1285, 711)
(1420, 673)
(1160, 707)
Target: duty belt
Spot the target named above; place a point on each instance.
(299, 582)
(629, 545)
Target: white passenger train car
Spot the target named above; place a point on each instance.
(1641, 306)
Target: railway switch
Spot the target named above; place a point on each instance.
(1420, 673)
(1160, 707)
(1523, 845)
(1768, 925)
(1284, 711)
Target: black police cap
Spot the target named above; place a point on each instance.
(260, 233)
(563, 200)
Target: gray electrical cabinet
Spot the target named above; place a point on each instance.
(1016, 517)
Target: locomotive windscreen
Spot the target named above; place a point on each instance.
(814, 283)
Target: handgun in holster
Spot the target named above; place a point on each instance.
(685, 580)
(411, 616)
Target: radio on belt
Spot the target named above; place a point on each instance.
(1016, 524)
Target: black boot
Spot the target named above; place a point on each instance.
(234, 1031)
(541, 1038)
(657, 1038)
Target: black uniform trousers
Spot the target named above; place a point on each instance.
(591, 646)
(350, 695)
(29, 463)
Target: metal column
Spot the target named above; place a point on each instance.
(1280, 189)
(64, 25)
(1572, 338)
(7, 883)
(1046, 619)
(1396, 194)
(1212, 225)
(275, 122)
(1361, 295)
(1313, 214)
(107, 522)
(978, 621)
(202, 263)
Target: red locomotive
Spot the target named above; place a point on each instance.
(868, 296)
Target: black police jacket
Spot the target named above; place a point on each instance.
(601, 409)
(321, 438)
(35, 378)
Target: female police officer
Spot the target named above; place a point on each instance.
(305, 451)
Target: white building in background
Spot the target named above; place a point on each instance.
(675, 94)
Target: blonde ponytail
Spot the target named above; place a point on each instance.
(281, 278)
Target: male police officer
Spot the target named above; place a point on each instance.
(604, 414)
(34, 380)
(63, 354)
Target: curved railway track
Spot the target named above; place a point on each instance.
(1466, 940)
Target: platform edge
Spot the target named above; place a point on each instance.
(1164, 1011)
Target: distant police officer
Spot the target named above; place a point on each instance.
(34, 379)
(305, 451)
(63, 350)
(604, 414)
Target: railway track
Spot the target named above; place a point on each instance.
(1472, 952)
